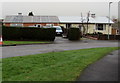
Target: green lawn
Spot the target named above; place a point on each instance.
(24, 42)
(53, 66)
(0, 70)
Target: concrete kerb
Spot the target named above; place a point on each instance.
(25, 44)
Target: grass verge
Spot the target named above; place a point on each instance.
(24, 42)
(53, 66)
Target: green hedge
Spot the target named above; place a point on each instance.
(74, 34)
(26, 33)
(0, 29)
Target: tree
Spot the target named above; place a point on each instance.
(115, 25)
(30, 14)
(82, 20)
(88, 15)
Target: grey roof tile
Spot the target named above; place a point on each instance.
(31, 19)
(53, 19)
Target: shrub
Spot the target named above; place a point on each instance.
(99, 33)
(26, 33)
(74, 34)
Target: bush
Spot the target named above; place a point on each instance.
(74, 34)
(99, 33)
(26, 33)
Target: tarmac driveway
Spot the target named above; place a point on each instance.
(60, 44)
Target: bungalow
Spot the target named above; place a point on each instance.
(26, 21)
(95, 24)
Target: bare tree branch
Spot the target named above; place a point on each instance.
(82, 20)
(88, 15)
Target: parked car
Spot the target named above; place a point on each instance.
(58, 30)
(48, 26)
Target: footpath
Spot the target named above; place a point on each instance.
(106, 69)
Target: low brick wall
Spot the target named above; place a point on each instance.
(104, 37)
(111, 37)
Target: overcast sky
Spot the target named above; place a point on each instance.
(59, 8)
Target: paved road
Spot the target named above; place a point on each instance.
(60, 44)
(106, 69)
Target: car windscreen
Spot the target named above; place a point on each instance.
(57, 28)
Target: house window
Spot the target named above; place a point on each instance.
(20, 25)
(49, 25)
(100, 27)
(117, 31)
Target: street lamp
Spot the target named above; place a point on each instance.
(109, 20)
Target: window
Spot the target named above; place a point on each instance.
(117, 31)
(49, 24)
(100, 27)
(16, 25)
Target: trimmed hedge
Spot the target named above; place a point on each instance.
(73, 34)
(0, 29)
(28, 33)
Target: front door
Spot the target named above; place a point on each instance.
(113, 31)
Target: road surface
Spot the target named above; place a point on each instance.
(60, 44)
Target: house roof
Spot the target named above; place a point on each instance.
(69, 19)
(54, 19)
(31, 19)
(78, 19)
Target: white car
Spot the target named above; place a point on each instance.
(58, 30)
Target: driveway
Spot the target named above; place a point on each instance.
(60, 44)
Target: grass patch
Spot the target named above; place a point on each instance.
(53, 66)
(0, 69)
(24, 42)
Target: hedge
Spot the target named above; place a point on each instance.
(28, 33)
(0, 29)
(73, 34)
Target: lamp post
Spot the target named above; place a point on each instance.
(109, 20)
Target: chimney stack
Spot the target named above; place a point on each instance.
(19, 13)
(93, 15)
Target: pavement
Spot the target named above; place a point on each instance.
(106, 69)
(60, 44)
